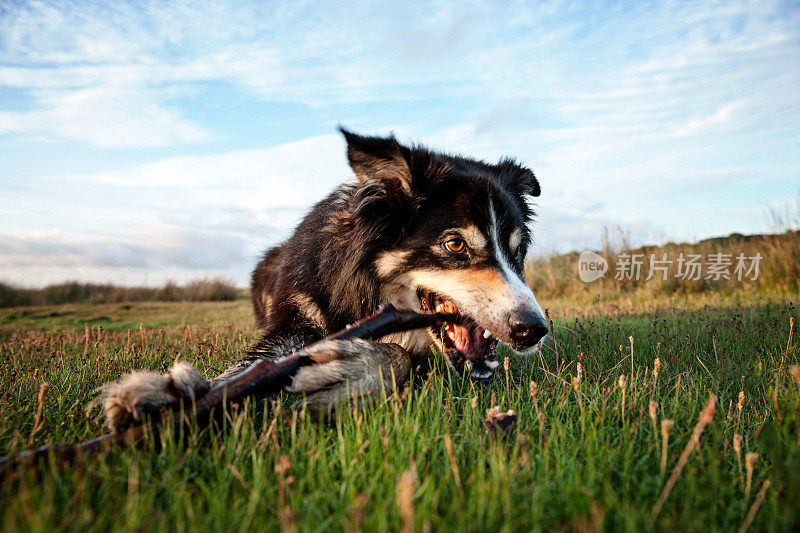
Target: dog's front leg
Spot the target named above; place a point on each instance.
(346, 370)
(343, 369)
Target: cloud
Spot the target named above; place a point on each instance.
(259, 184)
(181, 215)
(273, 164)
(558, 230)
(105, 116)
(121, 66)
(154, 253)
(146, 248)
(662, 117)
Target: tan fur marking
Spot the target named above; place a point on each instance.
(470, 279)
(266, 301)
(309, 308)
(388, 262)
(515, 240)
(475, 239)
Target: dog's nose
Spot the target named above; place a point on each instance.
(526, 328)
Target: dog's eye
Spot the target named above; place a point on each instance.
(456, 246)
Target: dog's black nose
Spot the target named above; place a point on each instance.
(526, 328)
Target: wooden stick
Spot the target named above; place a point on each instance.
(261, 379)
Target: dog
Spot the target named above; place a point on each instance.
(422, 230)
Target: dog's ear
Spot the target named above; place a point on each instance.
(518, 178)
(378, 158)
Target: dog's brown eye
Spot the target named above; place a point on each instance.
(456, 246)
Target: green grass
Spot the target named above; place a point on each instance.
(595, 468)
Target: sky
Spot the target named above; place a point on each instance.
(150, 141)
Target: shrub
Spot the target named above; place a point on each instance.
(210, 289)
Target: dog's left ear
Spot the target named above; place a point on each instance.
(518, 178)
(378, 158)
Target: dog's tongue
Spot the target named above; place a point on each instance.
(469, 339)
(469, 343)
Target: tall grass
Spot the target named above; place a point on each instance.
(583, 454)
(211, 289)
(779, 269)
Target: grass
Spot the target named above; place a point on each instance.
(590, 459)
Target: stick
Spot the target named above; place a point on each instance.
(261, 379)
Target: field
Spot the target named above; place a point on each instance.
(583, 454)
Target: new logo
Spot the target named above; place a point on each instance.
(591, 266)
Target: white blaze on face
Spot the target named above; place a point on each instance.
(521, 294)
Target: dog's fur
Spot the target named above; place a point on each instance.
(385, 237)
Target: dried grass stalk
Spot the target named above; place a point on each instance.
(749, 462)
(706, 417)
(794, 370)
(405, 499)
(652, 409)
(751, 514)
(666, 425)
(737, 447)
(38, 420)
(448, 444)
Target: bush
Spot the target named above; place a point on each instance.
(211, 289)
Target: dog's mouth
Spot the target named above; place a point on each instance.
(463, 341)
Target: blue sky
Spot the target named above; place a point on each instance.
(147, 141)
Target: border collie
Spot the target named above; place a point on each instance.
(415, 228)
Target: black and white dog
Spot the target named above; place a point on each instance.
(418, 229)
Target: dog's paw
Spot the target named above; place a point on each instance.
(349, 369)
(126, 401)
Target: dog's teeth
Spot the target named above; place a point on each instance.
(487, 334)
(446, 308)
(492, 364)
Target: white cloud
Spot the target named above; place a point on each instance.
(636, 115)
(105, 116)
(181, 215)
(290, 175)
(152, 255)
(124, 60)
